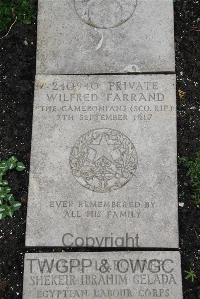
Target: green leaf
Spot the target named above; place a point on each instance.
(13, 159)
(4, 190)
(3, 166)
(10, 211)
(10, 197)
(20, 166)
(11, 165)
(3, 183)
(3, 196)
(7, 190)
(3, 208)
(16, 205)
(2, 216)
(12, 162)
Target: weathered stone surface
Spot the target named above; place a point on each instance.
(105, 36)
(103, 166)
(103, 275)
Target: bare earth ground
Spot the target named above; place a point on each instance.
(17, 70)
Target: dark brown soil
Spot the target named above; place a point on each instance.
(17, 70)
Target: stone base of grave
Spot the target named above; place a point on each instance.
(90, 275)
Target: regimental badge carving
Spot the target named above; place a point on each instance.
(105, 14)
(103, 160)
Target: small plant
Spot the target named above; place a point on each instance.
(193, 166)
(190, 275)
(15, 10)
(182, 94)
(8, 204)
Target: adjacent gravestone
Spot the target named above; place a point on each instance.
(105, 36)
(103, 275)
(103, 165)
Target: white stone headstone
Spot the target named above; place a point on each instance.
(105, 36)
(103, 164)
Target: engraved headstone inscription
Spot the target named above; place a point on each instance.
(105, 275)
(103, 163)
(105, 36)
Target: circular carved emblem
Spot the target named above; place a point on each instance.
(105, 13)
(103, 160)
